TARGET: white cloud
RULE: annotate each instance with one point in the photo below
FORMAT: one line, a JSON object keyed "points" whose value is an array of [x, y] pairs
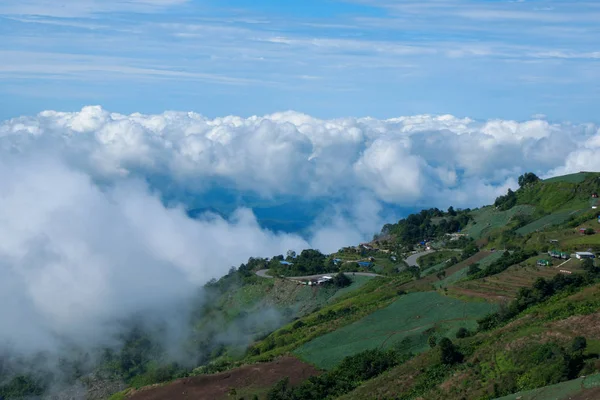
{"points": [[76, 258], [406, 160], [81, 8], [75, 254]]}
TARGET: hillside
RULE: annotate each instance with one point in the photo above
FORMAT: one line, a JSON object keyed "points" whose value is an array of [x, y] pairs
{"points": [[456, 304], [410, 319]]}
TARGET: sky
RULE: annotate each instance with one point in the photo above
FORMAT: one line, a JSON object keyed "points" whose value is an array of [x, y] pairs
{"points": [[327, 58]]}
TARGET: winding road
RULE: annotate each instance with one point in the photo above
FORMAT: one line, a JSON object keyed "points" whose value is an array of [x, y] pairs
{"points": [[263, 274], [412, 260]]}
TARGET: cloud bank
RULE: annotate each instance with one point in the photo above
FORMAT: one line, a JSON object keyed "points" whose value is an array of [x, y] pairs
{"points": [[85, 240], [416, 160], [76, 258]]}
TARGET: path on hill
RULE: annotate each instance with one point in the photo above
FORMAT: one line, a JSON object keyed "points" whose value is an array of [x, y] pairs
{"points": [[412, 260], [263, 274]]}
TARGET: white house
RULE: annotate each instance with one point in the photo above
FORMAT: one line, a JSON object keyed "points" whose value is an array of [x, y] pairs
{"points": [[584, 254]]}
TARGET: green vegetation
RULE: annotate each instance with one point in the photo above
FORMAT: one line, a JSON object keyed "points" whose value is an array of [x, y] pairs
{"points": [[406, 324], [427, 224], [578, 177], [351, 372], [488, 219], [430, 260], [553, 219], [447, 330]]}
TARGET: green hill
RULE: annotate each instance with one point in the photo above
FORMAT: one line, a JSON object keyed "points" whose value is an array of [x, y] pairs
{"points": [[501, 318]]}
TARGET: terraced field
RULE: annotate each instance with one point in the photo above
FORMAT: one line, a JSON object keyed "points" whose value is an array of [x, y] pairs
{"points": [[488, 218], [504, 286], [585, 388], [405, 324], [462, 273], [428, 282], [553, 219]]}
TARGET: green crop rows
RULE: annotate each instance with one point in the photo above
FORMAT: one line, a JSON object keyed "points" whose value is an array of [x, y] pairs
{"points": [[549, 220], [489, 218], [405, 324]]}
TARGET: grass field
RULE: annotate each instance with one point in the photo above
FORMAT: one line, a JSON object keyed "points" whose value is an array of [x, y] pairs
{"points": [[357, 282], [462, 273], [584, 240], [571, 178], [553, 219], [406, 324], [488, 218], [433, 259], [562, 391]]}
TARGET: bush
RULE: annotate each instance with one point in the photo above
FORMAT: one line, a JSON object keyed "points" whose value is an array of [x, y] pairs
{"points": [[462, 333], [448, 352]]}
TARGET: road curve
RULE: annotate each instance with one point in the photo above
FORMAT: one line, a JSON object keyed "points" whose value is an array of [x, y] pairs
{"points": [[412, 260], [263, 274]]}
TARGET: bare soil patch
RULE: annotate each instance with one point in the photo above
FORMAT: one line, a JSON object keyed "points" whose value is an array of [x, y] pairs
{"points": [[218, 386]]}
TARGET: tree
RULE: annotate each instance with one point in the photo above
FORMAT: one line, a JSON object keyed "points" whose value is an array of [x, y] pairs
{"points": [[340, 280], [527, 178], [462, 333], [473, 269], [579, 344], [451, 211], [281, 390], [449, 354], [291, 254], [588, 265], [441, 275], [432, 340], [589, 231]]}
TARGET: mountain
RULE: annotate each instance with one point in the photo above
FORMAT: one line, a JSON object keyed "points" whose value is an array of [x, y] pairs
{"points": [[488, 303]]}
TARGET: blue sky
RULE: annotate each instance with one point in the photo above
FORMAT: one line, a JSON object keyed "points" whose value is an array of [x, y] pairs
{"points": [[328, 58]]}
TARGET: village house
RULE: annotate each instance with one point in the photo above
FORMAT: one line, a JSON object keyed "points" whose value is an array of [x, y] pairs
{"points": [[584, 254]]}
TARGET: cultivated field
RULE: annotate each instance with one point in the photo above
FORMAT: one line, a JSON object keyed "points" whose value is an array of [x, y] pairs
{"points": [[488, 218], [428, 282], [571, 178], [248, 381], [587, 388], [462, 273], [505, 285], [553, 219], [405, 324]]}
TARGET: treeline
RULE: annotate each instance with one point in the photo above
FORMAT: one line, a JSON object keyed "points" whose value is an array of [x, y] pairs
{"points": [[501, 264], [541, 291], [308, 262], [347, 376], [419, 226], [509, 200]]}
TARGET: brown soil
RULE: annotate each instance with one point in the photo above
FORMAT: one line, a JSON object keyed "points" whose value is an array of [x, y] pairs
{"points": [[581, 325], [586, 394], [212, 387]]}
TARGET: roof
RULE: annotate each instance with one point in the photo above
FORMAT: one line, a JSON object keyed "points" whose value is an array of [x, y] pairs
{"points": [[584, 253], [285, 263]]}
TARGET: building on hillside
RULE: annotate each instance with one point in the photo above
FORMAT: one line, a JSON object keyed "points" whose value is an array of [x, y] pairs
{"points": [[543, 263], [337, 261], [324, 279], [285, 263], [584, 254], [455, 236], [594, 195], [582, 230], [365, 264]]}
